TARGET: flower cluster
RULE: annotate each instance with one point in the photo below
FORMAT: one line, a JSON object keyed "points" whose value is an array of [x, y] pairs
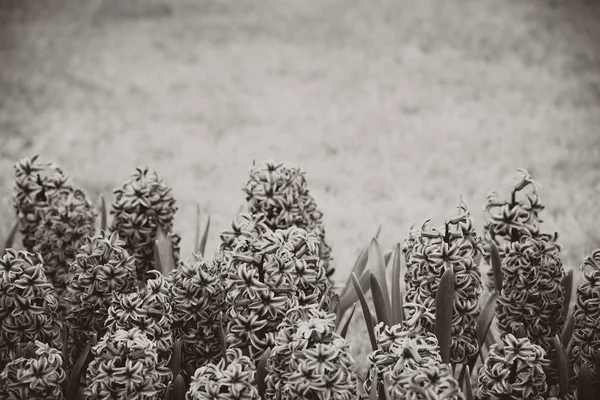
{"points": [[309, 359], [269, 273], [586, 327], [513, 369], [430, 251], [124, 367], [28, 306], [37, 376], [280, 192], [101, 270], [232, 378], [150, 311], [532, 294], [142, 206], [55, 218], [198, 296], [509, 221]]}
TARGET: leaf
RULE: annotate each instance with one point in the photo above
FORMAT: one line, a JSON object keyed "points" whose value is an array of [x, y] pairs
{"points": [[346, 325], [567, 284], [29, 350], [163, 252], [519, 330], [374, 385], [366, 312], [204, 238], [444, 308], [585, 383], [103, 214], [359, 266], [351, 296], [467, 383], [597, 370], [79, 369], [168, 390], [567, 333], [11, 237], [496, 266], [334, 307], [176, 358], [179, 388], [223, 341], [397, 306], [377, 266], [382, 308], [563, 367], [483, 324], [261, 373], [381, 390], [197, 240]]}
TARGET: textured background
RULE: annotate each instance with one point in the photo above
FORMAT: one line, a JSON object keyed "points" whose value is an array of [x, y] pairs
{"points": [[394, 108]]}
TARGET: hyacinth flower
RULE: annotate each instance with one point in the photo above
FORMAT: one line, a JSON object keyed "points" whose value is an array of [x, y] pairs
{"points": [[432, 251], [101, 270], [268, 275], [28, 306], [54, 217], [124, 367], [280, 192], [149, 310], [310, 360], [513, 369], [36, 376], [508, 221], [585, 343], [142, 206], [233, 377], [532, 294], [198, 295]]}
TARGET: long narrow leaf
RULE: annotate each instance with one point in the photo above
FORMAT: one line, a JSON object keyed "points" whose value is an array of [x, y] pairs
{"points": [[382, 308], [483, 325], [597, 370], [179, 388], [496, 266], [197, 236], [359, 265], [204, 237], [567, 332], [176, 358], [567, 284], [585, 383], [163, 252], [397, 306], [381, 391], [467, 383], [223, 341], [261, 373], [374, 385], [346, 325], [377, 266], [334, 307], [79, 369], [444, 308], [103, 214], [8, 243], [366, 312], [168, 390], [563, 367], [351, 297]]}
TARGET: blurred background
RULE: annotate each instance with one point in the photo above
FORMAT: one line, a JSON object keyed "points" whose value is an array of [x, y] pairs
{"points": [[395, 109]]}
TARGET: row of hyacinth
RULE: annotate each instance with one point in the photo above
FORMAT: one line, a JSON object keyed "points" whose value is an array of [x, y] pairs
{"points": [[267, 292]]}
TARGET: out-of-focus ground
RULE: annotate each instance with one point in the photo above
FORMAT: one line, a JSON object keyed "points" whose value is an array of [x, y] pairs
{"points": [[394, 108]]}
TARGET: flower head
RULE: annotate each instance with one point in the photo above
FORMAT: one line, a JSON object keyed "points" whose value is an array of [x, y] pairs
{"points": [[142, 206], [232, 378], [38, 377], [124, 367], [513, 369], [101, 270], [279, 191], [28, 305]]}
